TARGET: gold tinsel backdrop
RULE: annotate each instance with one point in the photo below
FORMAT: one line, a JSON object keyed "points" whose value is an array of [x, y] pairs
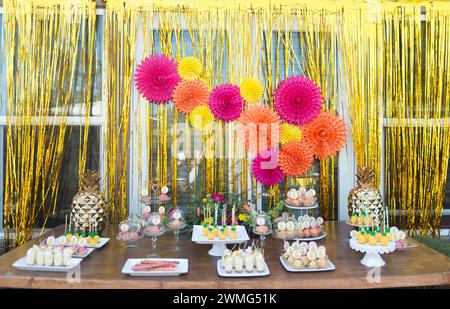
{"points": [[44, 42], [368, 47], [379, 59]]}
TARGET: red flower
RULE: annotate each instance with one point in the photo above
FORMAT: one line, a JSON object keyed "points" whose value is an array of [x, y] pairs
{"points": [[217, 197], [198, 211], [228, 221]]}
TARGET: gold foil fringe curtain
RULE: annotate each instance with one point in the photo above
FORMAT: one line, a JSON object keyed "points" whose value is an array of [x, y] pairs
{"points": [[47, 42], [342, 47], [397, 68], [416, 90]]}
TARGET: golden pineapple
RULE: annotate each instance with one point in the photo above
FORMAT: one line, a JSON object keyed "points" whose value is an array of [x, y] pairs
{"points": [[89, 204], [365, 197]]}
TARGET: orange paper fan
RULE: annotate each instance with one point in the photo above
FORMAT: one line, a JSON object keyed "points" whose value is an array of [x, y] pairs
{"points": [[258, 128], [296, 158], [189, 94], [326, 134]]}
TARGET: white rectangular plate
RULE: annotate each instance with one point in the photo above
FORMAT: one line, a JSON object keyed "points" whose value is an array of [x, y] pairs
{"points": [[197, 236], [22, 265], [329, 266], [89, 251], [244, 273], [182, 268]]}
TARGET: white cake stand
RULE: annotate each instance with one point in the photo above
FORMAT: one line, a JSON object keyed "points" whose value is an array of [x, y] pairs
{"points": [[372, 256], [218, 246]]}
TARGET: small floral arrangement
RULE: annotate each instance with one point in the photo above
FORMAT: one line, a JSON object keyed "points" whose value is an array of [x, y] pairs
{"points": [[203, 210]]}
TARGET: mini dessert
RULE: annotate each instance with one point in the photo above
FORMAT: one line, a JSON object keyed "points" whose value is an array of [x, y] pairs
{"points": [[306, 256], [205, 229], [222, 234], [301, 197], [262, 229], [372, 239], [47, 256], [250, 260], [401, 241], [163, 197], [233, 233], [155, 265], [308, 227], [31, 256], [211, 235]]}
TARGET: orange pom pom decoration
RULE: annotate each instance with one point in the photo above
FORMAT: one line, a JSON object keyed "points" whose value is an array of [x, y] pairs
{"points": [[188, 94], [296, 158], [259, 128], [326, 134]]}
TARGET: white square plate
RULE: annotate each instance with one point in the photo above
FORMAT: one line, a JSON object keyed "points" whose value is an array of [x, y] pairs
{"points": [[22, 265], [329, 266], [244, 273], [197, 236], [182, 268]]}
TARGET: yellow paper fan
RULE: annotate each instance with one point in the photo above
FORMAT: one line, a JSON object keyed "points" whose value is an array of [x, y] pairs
{"points": [[190, 68], [201, 117], [251, 90], [289, 133]]}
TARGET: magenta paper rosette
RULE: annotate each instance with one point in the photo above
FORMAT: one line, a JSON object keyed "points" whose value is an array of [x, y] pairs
{"points": [[266, 169], [298, 100], [156, 78], [226, 102]]}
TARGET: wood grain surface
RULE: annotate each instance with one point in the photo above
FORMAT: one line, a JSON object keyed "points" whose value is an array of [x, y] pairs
{"points": [[420, 266]]}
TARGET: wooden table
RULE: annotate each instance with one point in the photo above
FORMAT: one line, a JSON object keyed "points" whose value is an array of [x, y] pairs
{"points": [[420, 266]]}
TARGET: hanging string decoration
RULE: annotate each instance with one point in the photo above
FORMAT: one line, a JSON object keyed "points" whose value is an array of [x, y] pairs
{"points": [[296, 158], [266, 169], [326, 134], [251, 90], [226, 102], [258, 128], [156, 78], [189, 94], [190, 68], [289, 133], [298, 100], [201, 117]]}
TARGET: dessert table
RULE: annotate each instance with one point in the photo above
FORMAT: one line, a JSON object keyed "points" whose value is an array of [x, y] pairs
{"points": [[419, 266]]}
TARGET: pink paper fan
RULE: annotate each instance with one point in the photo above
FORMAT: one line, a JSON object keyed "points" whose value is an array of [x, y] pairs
{"points": [[298, 100], [226, 102], [266, 169], [156, 78]]}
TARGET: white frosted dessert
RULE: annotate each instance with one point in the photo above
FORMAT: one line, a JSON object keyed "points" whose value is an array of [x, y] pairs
{"points": [[31, 256]]}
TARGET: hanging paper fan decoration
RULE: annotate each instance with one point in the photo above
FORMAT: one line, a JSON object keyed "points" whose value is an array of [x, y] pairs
{"points": [[190, 68], [201, 117], [298, 100], [289, 133], [296, 158], [156, 77], [266, 169], [326, 134], [188, 94], [251, 90], [226, 102], [259, 128]]}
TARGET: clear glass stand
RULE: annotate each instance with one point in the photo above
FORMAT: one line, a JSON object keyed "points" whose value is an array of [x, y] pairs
{"points": [[154, 245]]}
